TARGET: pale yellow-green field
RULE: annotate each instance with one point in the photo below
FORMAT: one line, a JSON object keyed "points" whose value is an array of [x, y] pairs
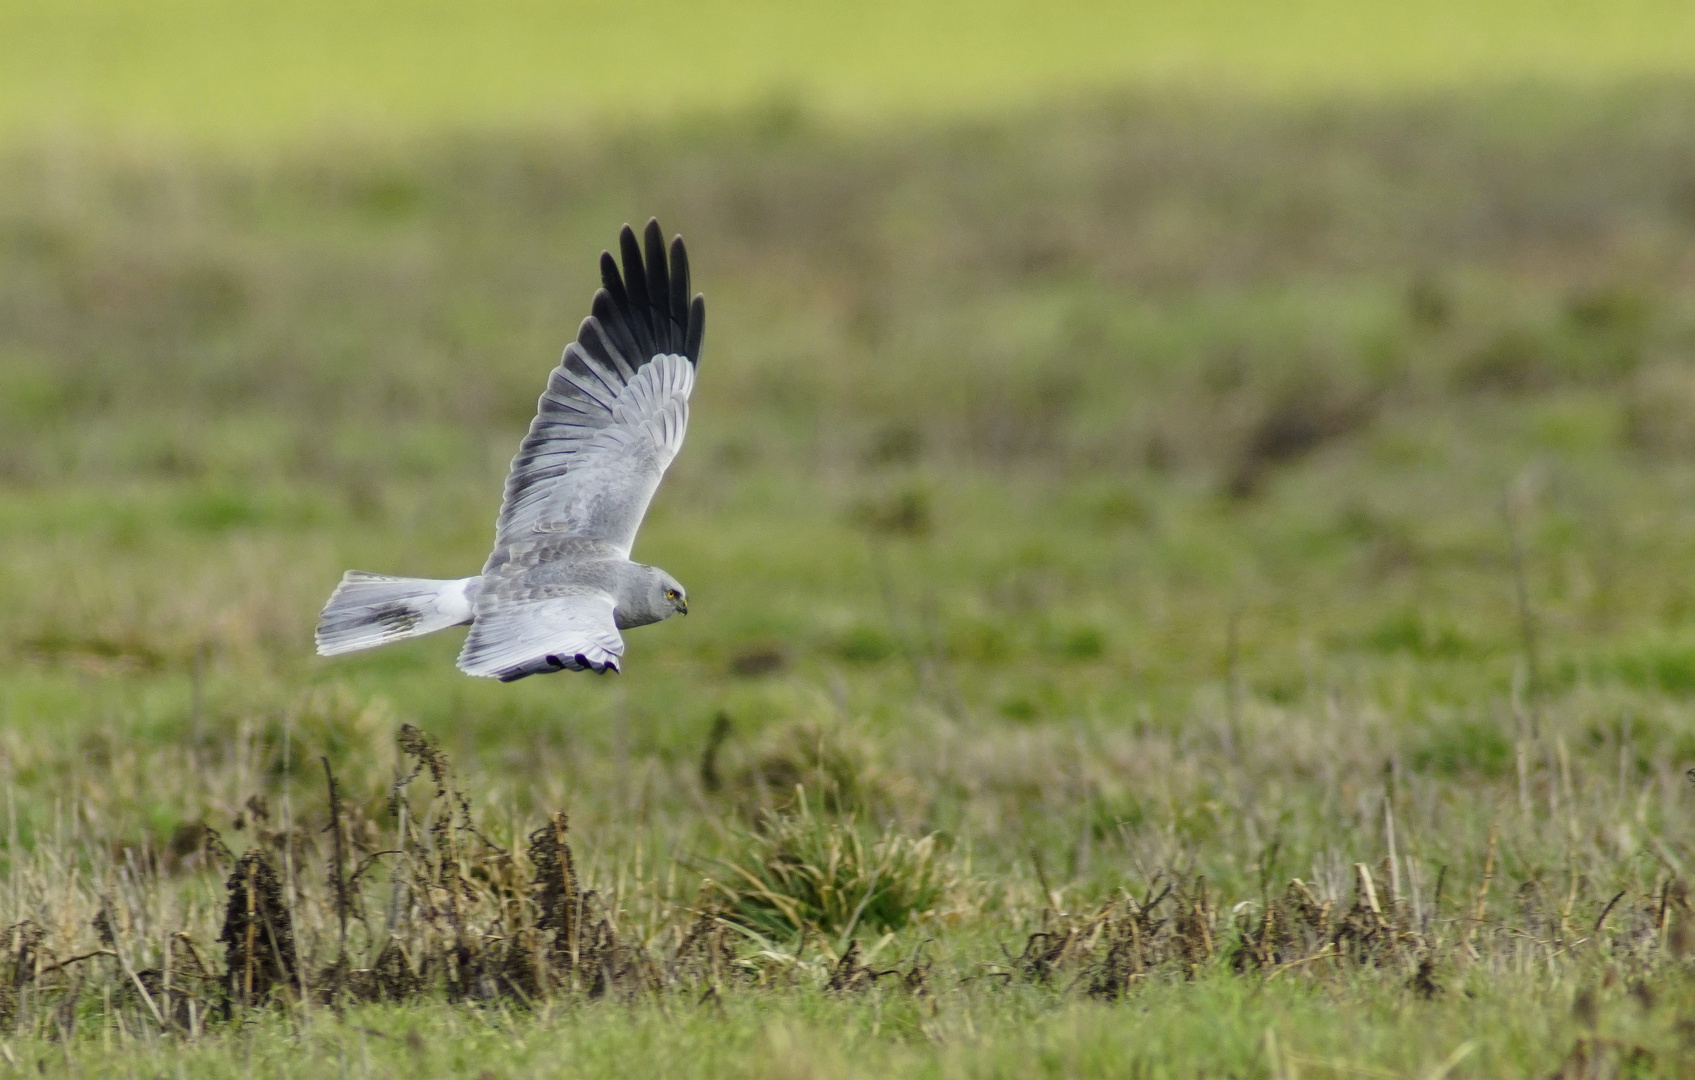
{"points": [[233, 71]]}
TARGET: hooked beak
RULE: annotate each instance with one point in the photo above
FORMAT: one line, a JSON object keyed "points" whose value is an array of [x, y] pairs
{"points": [[683, 607]]}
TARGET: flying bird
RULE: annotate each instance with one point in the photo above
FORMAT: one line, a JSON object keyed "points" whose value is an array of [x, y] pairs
{"points": [[559, 585]]}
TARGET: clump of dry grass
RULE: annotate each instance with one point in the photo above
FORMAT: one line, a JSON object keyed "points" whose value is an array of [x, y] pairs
{"points": [[853, 973], [1307, 932], [801, 872], [258, 933], [1122, 941], [323, 917]]}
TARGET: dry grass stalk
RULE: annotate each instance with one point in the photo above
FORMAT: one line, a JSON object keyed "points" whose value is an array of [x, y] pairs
{"points": [[258, 935]]}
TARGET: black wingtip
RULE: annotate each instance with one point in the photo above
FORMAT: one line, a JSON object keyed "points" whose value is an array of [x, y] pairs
{"points": [[641, 301], [609, 276], [697, 329], [659, 287], [635, 274], [635, 283], [679, 298], [608, 313], [643, 306]]}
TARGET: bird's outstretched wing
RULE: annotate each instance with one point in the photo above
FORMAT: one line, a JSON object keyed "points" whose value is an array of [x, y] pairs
{"points": [[512, 638], [616, 407]]}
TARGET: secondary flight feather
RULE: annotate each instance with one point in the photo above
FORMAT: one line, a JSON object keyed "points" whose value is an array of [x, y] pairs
{"points": [[559, 585]]}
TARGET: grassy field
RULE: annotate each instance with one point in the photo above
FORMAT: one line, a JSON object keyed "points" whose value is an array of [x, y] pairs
{"points": [[253, 75], [1189, 589]]}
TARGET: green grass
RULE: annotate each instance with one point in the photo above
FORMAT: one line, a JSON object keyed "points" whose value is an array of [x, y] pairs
{"points": [[1216, 1026], [252, 74], [1129, 493]]}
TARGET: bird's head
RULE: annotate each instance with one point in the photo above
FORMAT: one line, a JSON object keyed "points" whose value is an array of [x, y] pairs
{"points": [[647, 594], [671, 596]]}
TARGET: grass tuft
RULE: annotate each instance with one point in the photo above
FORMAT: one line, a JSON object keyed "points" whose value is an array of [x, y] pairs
{"points": [[799, 873]]}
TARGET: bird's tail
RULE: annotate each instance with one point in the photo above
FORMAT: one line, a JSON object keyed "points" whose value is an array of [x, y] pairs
{"points": [[367, 610]]}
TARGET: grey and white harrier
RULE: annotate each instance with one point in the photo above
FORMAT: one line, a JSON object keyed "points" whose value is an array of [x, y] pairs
{"points": [[560, 585]]}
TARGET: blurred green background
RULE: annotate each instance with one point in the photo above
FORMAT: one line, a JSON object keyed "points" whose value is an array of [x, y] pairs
{"points": [[252, 74], [1149, 435]]}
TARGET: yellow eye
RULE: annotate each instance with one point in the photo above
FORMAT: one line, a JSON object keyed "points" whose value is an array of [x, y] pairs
{"points": [[670, 594]]}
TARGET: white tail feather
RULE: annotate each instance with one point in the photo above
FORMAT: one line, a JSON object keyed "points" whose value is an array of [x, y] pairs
{"points": [[367, 610]]}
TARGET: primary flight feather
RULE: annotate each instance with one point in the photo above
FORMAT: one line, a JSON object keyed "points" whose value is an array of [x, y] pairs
{"points": [[559, 585]]}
